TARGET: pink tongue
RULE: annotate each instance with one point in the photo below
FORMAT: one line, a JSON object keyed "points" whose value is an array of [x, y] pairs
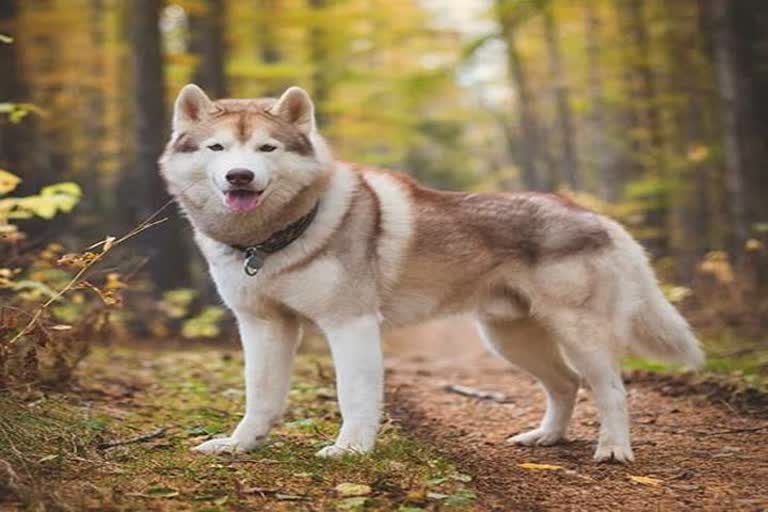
{"points": [[242, 202]]}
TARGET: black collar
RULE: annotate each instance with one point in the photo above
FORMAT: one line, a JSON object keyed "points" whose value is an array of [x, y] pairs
{"points": [[256, 254]]}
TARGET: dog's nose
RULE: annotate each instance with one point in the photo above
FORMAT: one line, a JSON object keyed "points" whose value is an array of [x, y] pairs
{"points": [[239, 177]]}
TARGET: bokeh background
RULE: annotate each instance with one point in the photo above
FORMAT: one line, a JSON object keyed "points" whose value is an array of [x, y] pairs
{"points": [[652, 111]]}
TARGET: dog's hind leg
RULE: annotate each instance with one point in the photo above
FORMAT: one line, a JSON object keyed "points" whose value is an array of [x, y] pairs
{"points": [[587, 343], [526, 344]]}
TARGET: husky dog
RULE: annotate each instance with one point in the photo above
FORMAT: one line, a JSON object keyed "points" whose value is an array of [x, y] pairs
{"points": [[293, 236]]}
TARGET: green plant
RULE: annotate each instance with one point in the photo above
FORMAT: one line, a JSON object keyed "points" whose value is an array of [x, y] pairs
{"points": [[51, 310]]}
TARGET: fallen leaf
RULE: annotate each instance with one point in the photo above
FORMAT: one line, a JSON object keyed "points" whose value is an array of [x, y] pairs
{"points": [[646, 480], [291, 497], [213, 498], [353, 504], [161, 492], [348, 489], [534, 465], [461, 477]]}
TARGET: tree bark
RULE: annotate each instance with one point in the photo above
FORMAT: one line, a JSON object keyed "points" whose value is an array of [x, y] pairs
{"points": [[208, 44], [23, 149], [649, 150], [561, 93], [528, 155], [12, 89], [691, 212], [740, 39], [268, 50], [608, 179], [163, 243], [731, 111], [319, 54]]}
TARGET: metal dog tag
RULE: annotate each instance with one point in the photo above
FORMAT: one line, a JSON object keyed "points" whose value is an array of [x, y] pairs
{"points": [[254, 260]]}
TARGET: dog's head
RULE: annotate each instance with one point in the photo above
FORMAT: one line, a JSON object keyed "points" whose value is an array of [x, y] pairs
{"points": [[242, 159]]}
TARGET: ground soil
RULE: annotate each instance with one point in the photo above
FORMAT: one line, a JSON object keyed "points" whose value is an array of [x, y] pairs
{"points": [[702, 452]]}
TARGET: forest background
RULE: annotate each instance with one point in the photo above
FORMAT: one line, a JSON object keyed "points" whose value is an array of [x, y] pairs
{"points": [[650, 111]]}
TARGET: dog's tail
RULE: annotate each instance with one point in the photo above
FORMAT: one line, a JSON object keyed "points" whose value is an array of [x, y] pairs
{"points": [[661, 333]]}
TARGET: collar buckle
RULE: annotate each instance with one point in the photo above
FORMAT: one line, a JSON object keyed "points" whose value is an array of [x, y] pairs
{"points": [[254, 260]]}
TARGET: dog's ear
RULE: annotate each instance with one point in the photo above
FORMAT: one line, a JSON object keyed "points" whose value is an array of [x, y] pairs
{"points": [[191, 106], [296, 107]]}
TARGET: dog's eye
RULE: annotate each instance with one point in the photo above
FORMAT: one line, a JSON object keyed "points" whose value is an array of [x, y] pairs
{"points": [[216, 147], [267, 148]]}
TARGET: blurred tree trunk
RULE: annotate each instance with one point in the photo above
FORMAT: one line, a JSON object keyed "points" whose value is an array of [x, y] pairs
{"points": [[163, 243], [12, 89], [569, 161], [600, 153], [23, 150], [528, 152], [266, 38], [631, 163], [208, 44], [733, 106], [691, 136], [319, 54], [657, 215], [741, 46], [647, 89], [649, 149]]}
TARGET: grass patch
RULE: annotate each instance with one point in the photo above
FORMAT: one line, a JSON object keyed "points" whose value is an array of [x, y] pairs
{"points": [[744, 358], [49, 443]]}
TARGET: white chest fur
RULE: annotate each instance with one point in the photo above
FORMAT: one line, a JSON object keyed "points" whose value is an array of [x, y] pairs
{"points": [[309, 290]]}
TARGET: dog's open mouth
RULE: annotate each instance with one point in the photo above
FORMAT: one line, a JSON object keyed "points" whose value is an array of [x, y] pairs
{"points": [[241, 200]]}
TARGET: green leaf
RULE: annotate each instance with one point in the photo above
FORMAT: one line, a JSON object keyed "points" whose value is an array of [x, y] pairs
{"points": [[205, 325], [95, 424], [8, 182], [66, 187], [460, 498], [29, 285], [303, 424]]}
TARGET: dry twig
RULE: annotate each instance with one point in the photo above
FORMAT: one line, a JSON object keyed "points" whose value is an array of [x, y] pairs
{"points": [[132, 440], [494, 396]]}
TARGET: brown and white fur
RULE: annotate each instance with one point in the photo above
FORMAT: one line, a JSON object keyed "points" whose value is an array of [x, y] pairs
{"points": [[556, 289]]}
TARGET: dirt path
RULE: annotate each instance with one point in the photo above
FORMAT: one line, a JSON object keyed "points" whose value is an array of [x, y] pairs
{"points": [[703, 456]]}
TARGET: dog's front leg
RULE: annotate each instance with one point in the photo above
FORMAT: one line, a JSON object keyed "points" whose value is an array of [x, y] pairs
{"points": [[269, 346], [356, 348]]}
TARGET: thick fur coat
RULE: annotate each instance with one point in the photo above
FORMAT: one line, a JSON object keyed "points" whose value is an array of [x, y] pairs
{"points": [[556, 289]]}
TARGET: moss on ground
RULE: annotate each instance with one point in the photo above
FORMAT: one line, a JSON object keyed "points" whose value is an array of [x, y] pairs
{"points": [[52, 451]]}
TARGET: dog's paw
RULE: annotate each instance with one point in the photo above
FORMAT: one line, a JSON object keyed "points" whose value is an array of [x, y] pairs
{"points": [[614, 453], [335, 451], [224, 445], [537, 437]]}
